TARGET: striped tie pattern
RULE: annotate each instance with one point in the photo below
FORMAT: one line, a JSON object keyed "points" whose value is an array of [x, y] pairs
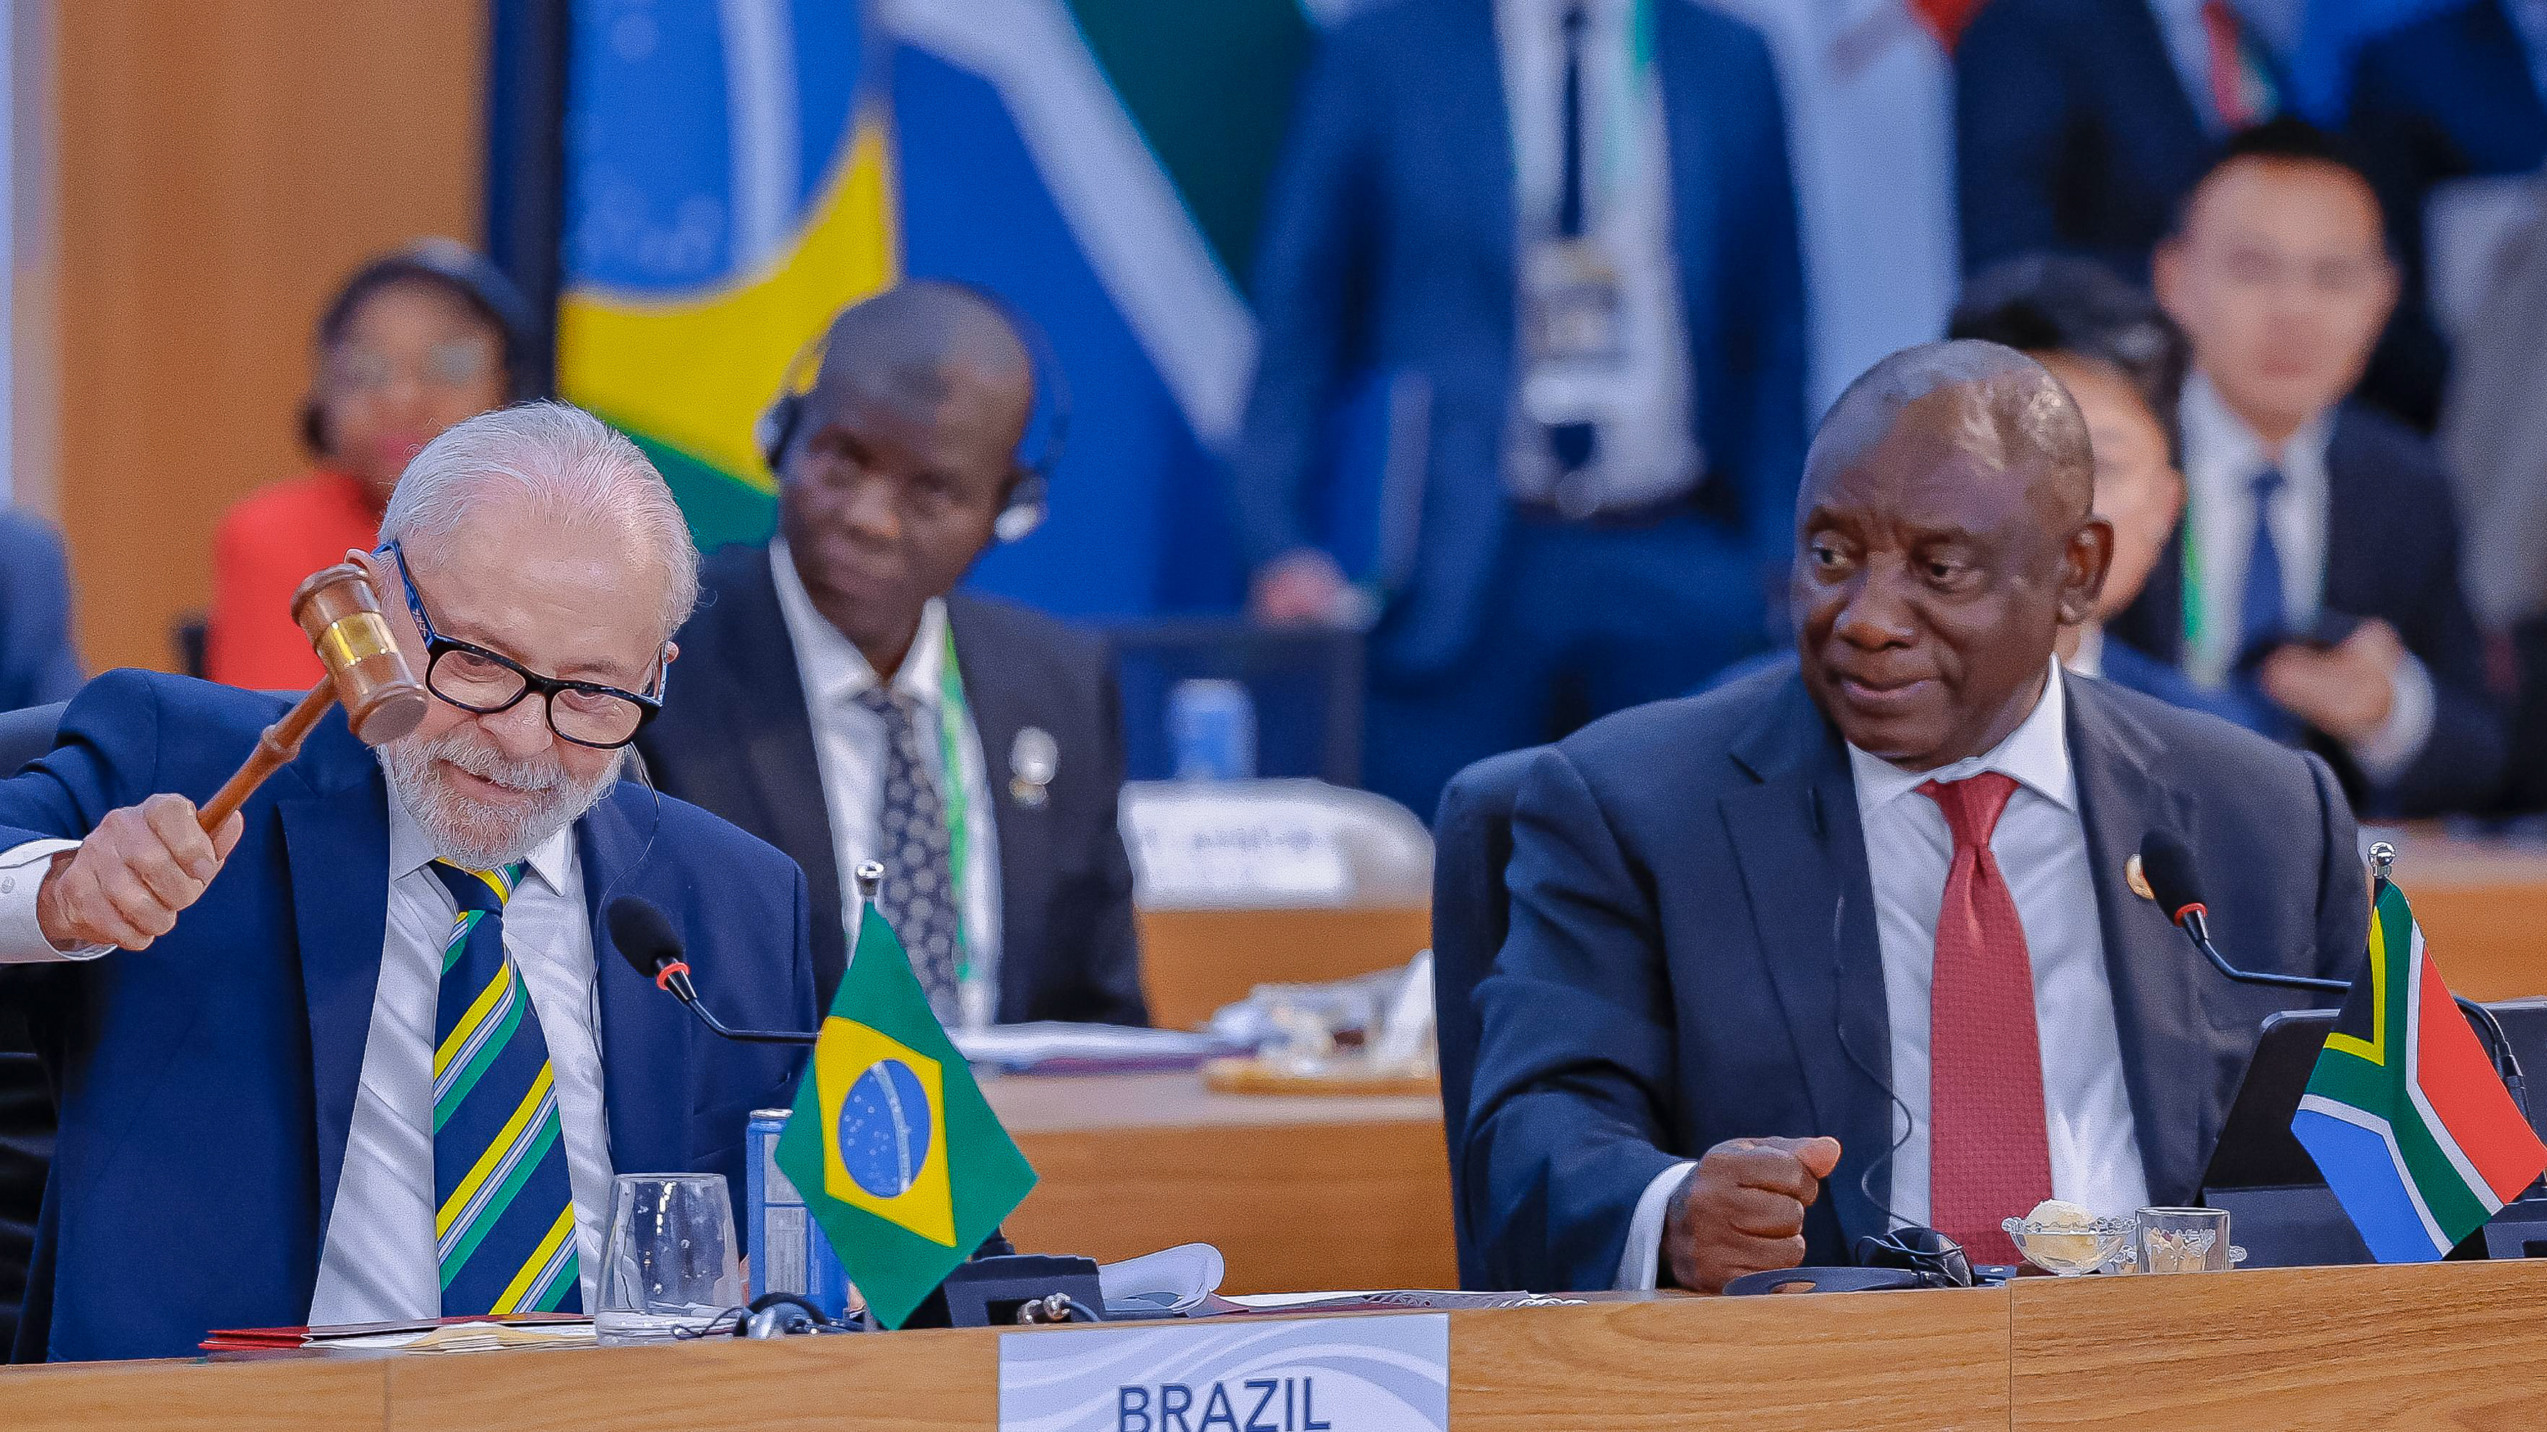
{"points": [[504, 1212]]}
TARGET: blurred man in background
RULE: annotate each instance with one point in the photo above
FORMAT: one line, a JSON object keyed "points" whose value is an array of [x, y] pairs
{"points": [[2080, 123], [1566, 244], [2320, 561], [845, 703]]}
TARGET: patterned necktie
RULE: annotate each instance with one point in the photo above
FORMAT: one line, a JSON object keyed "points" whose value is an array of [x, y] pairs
{"points": [[2263, 613], [1988, 1154], [918, 895], [504, 1211]]}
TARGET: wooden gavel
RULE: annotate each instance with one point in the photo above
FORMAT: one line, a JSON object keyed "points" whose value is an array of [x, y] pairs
{"points": [[383, 700]]}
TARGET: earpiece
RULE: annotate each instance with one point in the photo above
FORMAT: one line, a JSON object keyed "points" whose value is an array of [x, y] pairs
{"points": [[1029, 494]]}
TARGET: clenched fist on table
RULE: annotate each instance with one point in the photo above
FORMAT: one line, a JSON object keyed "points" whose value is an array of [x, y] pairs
{"points": [[1741, 1210], [134, 874]]}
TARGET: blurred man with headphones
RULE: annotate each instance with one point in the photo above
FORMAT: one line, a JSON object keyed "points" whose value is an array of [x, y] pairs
{"points": [[841, 700]]}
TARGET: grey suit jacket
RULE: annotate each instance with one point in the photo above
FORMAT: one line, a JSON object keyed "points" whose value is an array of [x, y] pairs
{"points": [[1693, 957]]}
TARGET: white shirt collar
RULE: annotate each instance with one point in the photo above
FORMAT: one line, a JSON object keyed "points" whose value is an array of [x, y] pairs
{"points": [[410, 850], [2089, 659], [833, 670], [2222, 454], [2036, 753]]}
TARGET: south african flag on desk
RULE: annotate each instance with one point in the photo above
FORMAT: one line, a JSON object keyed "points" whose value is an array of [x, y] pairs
{"points": [[2405, 1115], [897, 1154]]}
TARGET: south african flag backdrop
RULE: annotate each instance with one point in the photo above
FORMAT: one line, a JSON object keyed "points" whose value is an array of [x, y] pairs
{"points": [[2405, 1114], [897, 1154]]}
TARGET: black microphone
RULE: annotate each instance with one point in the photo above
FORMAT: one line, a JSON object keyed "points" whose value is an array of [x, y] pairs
{"points": [[2167, 864], [649, 943]]}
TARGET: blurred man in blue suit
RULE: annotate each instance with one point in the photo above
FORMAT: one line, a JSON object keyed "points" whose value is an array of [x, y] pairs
{"points": [[1820, 954], [2080, 123], [1565, 243], [37, 660], [341, 1060], [2318, 566]]}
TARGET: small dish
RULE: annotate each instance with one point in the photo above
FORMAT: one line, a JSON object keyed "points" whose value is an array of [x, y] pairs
{"points": [[2069, 1249]]}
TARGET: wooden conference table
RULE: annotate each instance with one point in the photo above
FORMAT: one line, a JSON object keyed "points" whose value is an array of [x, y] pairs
{"points": [[2440, 1345]]}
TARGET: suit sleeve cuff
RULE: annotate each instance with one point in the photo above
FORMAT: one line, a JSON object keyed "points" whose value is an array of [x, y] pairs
{"points": [[1640, 1263], [2387, 753], [22, 939]]}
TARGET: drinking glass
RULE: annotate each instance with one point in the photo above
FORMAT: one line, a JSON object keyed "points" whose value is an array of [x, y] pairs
{"points": [[2182, 1240], [668, 1262]]}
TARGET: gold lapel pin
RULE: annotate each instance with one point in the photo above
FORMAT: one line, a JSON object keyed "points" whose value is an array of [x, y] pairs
{"points": [[2139, 882]]}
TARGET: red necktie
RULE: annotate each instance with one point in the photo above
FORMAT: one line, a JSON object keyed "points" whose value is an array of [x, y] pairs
{"points": [[1988, 1155], [2228, 66]]}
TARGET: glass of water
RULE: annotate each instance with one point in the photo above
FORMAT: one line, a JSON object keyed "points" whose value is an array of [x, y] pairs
{"points": [[2184, 1240], [668, 1262]]}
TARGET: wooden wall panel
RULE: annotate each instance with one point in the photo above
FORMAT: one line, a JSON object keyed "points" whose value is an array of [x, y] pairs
{"points": [[221, 164]]}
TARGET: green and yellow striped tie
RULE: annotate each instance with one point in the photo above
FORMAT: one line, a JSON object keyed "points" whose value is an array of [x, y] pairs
{"points": [[504, 1210]]}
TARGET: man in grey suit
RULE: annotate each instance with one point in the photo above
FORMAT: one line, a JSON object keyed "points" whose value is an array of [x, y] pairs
{"points": [[1820, 953]]}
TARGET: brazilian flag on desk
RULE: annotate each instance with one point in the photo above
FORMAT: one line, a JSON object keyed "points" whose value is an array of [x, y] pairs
{"points": [[897, 1154]]}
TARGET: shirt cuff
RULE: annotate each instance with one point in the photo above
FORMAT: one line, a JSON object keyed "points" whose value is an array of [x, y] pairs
{"points": [[1640, 1262], [22, 874], [2399, 741]]}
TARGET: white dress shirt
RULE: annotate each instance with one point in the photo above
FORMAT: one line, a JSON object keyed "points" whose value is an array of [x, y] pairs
{"points": [[849, 752], [379, 1262], [2040, 845], [1647, 449], [2222, 458]]}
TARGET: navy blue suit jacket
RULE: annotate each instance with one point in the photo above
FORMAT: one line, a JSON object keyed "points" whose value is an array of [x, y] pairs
{"points": [[1693, 956], [2447, 97], [37, 662], [2392, 552], [735, 738], [1389, 250], [206, 1084], [2073, 132]]}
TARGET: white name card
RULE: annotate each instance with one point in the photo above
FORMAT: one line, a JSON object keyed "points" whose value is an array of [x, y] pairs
{"points": [[1199, 852], [1236, 1374]]}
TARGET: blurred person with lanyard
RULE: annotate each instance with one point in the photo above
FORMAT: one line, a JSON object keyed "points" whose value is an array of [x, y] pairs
{"points": [[342, 1059], [1836, 950], [845, 702], [1564, 247], [2318, 567], [413, 342]]}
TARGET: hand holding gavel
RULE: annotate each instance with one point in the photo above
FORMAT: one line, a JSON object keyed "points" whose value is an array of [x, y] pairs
{"points": [[145, 864]]}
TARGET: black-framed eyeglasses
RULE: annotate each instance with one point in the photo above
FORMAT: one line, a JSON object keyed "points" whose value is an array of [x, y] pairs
{"points": [[477, 680]]}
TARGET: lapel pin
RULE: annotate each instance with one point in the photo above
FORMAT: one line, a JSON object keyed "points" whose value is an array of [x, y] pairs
{"points": [[2139, 882], [1033, 758]]}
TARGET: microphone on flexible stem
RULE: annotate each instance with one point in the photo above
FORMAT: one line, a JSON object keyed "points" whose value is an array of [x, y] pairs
{"points": [[2167, 864], [650, 944]]}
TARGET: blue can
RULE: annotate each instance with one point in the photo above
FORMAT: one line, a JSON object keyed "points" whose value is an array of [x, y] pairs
{"points": [[1212, 724], [789, 1252]]}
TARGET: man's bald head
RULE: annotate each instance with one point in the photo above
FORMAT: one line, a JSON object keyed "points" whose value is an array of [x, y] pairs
{"points": [[920, 345], [1944, 536], [2001, 407]]}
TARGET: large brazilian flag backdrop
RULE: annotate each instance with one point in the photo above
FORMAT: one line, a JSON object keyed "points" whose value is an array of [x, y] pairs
{"points": [[739, 169]]}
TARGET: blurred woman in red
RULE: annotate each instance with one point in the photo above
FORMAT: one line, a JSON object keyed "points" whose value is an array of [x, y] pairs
{"points": [[414, 342]]}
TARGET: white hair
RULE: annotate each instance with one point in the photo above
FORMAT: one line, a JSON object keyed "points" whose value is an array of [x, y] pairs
{"points": [[562, 458]]}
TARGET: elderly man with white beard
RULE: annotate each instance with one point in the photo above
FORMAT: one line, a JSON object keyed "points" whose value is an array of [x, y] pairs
{"points": [[365, 1053]]}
